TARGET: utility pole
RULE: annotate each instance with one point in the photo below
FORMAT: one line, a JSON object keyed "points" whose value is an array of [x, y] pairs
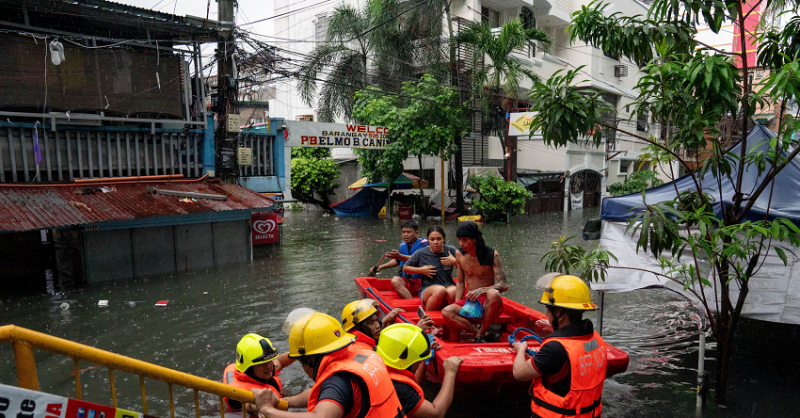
{"points": [[455, 77], [226, 90]]}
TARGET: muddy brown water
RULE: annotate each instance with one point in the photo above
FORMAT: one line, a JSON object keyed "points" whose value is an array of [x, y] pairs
{"points": [[314, 267]]}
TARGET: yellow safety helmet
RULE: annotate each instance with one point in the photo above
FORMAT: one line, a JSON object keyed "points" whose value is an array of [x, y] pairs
{"points": [[311, 332], [254, 349], [357, 311], [568, 292], [402, 345]]}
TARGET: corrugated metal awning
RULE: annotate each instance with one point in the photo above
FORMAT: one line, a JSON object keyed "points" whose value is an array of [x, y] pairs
{"points": [[123, 206]]}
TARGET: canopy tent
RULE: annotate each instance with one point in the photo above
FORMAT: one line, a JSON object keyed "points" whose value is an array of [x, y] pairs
{"points": [[367, 202], [403, 181], [774, 291]]}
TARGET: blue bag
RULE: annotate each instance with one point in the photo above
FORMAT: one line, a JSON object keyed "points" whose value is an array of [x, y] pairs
{"points": [[472, 309]]}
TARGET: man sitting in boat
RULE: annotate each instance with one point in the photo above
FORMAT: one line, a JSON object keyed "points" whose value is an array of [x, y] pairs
{"points": [[435, 264], [258, 365], [481, 272], [404, 348], [362, 319], [349, 381], [570, 367], [406, 285]]}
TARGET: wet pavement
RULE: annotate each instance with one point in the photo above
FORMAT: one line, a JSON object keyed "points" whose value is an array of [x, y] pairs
{"points": [[314, 267]]}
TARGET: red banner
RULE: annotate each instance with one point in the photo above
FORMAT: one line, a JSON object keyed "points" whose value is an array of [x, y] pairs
{"points": [[265, 228]]}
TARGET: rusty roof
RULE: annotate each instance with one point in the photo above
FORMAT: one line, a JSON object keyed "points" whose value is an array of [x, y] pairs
{"points": [[33, 208]]}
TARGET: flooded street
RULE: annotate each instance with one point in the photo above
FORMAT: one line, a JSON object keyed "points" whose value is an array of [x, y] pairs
{"points": [[314, 267]]}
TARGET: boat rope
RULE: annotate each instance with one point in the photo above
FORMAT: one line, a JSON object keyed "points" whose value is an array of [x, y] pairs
{"points": [[533, 336]]}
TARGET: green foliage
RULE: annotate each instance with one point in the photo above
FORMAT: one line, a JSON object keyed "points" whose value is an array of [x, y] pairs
{"points": [[567, 258], [565, 112], [310, 152], [314, 179], [637, 182], [498, 196], [422, 120]]}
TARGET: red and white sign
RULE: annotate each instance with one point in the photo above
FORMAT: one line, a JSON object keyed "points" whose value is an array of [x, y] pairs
{"points": [[18, 402], [265, 228]]}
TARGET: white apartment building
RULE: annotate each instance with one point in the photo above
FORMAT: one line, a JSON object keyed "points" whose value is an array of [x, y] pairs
{"points": [[589, 168]]}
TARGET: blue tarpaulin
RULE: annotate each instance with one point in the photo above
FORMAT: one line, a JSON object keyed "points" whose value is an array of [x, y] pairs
{"points": [[367, 202], [785, 197]]}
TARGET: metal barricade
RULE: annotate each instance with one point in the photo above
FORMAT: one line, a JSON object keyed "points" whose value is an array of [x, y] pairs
{"points": [[24, 341]]}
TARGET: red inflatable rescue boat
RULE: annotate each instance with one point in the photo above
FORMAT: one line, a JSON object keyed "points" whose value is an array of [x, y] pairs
{"points": [[487, 366]]}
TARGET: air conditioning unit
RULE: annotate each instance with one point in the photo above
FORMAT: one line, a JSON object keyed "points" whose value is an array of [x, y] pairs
{"points": [[620, 71]]}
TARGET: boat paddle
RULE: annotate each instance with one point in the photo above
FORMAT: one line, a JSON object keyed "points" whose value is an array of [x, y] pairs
{"points": [[374, 271]]}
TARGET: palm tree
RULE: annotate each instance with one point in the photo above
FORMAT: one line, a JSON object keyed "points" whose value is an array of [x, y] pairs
{"points": [[503, 72], [342, 63]]}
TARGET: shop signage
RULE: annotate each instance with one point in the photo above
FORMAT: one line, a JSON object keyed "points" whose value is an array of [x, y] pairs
{"points": [[519, 124], [265, 228], [334, 135]]}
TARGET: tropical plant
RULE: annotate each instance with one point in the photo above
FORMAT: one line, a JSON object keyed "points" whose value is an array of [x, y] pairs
{"points": [[503, 72], [422, 120], [638, 181], [498, 197], [711, 254], [314, 176]]}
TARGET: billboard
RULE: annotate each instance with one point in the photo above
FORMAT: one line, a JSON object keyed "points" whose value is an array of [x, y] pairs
{"points": [[334, 135], [265, 228], [18, 402]]}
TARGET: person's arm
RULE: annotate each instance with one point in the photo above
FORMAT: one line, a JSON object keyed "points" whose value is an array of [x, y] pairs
{"points": [[499, 274], [419, 376], [266, 402], [300, 400], [441, 404], [523, 369], [460, 287], [389, 264], [429, 271], [390, 317], [282, 361]]}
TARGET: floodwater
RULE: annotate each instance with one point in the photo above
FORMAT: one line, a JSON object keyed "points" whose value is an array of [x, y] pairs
{"points": [[314, 266]]}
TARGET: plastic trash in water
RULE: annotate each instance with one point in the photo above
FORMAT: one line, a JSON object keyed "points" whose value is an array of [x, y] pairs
{"points": [[131, 304], [102, 303], [64, 306], [472, 309], [162, 303]]}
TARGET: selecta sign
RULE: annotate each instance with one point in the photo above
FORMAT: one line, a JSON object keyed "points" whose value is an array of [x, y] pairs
{"points": [[265, 228], [334, 135]]}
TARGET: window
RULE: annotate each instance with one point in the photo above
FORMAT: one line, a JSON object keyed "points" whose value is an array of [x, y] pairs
{"points": [[490, 17], [321, 28], [641, 122], [623, 166], [305, 118], [527, 18]]}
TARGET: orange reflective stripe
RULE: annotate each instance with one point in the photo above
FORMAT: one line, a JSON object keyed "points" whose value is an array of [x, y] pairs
{"points": [[237, 379]]}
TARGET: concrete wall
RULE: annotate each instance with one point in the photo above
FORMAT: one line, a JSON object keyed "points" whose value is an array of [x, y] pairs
{"points": [[130, 253]]}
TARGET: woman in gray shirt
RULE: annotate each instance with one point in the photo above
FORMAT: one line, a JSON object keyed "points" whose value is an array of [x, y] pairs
{"points": [[435, 265]]}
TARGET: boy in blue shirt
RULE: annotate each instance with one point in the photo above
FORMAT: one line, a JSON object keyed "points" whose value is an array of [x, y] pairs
{"points": [[406, 285]]}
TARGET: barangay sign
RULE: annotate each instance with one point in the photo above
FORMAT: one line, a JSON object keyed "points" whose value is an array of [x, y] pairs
{"points": [[335, 135]]}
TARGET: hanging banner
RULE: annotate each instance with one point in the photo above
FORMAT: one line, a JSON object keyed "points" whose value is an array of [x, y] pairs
{"points": [[18, 402], [576, 199], [519, 124], [334, 135], [265, 228]]}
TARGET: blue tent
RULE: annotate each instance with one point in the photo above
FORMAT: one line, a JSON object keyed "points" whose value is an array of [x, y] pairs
{"points": [[785, 197], [367, 202]]}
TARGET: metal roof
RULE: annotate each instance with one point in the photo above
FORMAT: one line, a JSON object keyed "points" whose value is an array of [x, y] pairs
{"points": [[33, 208]]}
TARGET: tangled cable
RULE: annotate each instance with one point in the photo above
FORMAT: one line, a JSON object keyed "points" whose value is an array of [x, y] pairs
{"points": [[533, 336]]}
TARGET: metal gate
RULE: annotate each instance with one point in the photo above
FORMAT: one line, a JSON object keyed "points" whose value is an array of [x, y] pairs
{"points": [[588, 183]]}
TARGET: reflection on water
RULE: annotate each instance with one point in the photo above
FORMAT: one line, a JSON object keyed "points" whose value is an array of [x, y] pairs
{"points": [[314, 267]]}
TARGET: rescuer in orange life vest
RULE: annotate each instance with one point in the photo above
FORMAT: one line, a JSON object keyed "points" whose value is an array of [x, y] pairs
{"points": [[349, 381], [364, 321], [258, 365], [404, 348], [570, 367]]}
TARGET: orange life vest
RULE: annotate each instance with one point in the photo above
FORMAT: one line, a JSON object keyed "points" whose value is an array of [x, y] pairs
{"points": [[405, 376], [237, 379], [363, 341], [369, 367], [587, 362]]}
